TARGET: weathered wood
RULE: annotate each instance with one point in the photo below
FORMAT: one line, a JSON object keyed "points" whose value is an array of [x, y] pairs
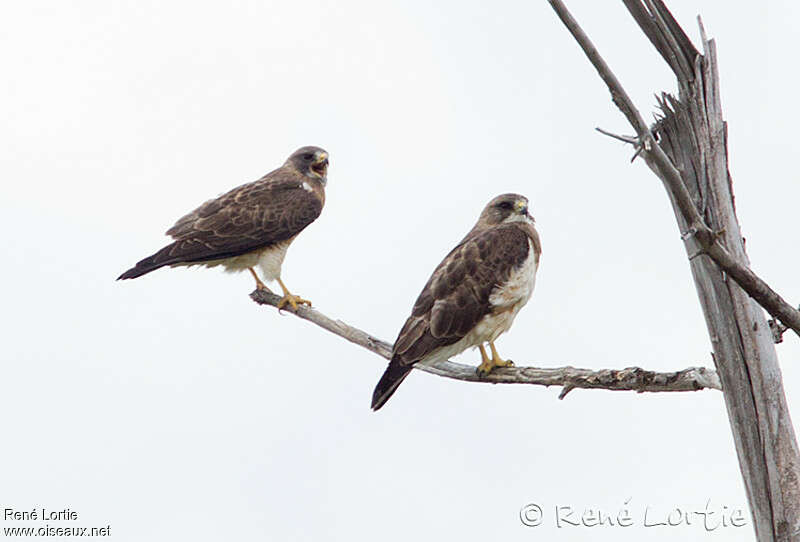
{"points": [[628, 379], [692, 137]]}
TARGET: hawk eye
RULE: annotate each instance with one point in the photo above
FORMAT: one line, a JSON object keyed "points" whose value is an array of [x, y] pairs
{"points": [[308, 156], [505, 205]]}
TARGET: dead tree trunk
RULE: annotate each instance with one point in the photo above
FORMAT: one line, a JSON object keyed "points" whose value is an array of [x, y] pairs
{"points": [[687, 149], [744, 352], [743, 349]]}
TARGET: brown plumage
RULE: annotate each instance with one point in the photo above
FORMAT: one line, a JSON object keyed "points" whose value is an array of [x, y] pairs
{"points": [[472, 296], [250, 225]]}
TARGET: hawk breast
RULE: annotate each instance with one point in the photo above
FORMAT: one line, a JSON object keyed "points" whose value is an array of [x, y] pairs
{"points": [[517, 289]]}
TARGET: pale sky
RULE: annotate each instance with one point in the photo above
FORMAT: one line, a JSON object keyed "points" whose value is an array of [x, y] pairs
{"points": [[174, 408]]}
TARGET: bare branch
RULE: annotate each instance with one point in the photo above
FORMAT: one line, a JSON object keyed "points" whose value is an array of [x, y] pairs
{"points": [[653, 154], [618, 94], [632, 140], [628, 379], [626, 139], [755, 287], [660, 163]]}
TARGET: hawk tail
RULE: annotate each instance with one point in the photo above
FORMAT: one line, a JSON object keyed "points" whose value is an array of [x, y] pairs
{"points": [[393, 376], [151, 263]]}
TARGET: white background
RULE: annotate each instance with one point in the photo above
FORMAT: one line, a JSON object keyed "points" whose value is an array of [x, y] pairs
{"points": [[172, 407]]}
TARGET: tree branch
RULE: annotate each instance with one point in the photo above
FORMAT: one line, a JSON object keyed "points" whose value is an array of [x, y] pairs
{"points": [[628, 379], [660, 163]]}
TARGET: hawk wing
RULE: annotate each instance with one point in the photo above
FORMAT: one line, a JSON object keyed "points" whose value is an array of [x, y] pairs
{"points": [[256, 215], [456, 296]]}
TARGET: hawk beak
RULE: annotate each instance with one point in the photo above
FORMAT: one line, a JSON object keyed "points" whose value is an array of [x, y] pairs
{"points": [[320, 166], [521, 207]]}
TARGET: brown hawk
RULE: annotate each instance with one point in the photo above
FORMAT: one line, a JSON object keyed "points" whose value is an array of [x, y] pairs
{"points": [[473, 295], [252, 225]]}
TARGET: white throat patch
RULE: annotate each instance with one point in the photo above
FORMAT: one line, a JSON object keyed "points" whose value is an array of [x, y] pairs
{"points": [[518, 218]]}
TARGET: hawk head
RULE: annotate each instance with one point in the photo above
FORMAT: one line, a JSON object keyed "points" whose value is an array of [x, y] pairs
{"points": [[505, 208], [310, 161]]}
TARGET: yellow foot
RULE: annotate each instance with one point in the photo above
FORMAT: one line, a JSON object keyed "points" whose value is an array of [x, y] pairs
{"points": [[290, 298], [488, 364], [293, 300], [484, 368]]}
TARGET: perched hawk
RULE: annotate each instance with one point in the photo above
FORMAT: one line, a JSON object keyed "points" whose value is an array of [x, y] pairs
{"points": [[253, 224], [472, 296]]}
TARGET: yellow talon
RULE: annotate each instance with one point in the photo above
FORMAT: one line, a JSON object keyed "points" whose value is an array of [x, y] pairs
{"points": [[497, 360], [488, 364], [290, 298], [293, 300]]}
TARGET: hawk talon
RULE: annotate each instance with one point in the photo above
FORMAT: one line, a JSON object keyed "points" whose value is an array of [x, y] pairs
{"points": [[488, 363], [290, 298], [484, 369], [293, 300]]}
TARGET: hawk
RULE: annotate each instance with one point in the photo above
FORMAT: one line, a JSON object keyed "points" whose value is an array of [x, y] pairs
{"points": [[473, 295], [252, 225]]}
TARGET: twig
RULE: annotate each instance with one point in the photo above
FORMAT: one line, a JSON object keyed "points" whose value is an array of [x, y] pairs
{"points": [[660, 163], [631, 140], [628, 379], [626, 139]]}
